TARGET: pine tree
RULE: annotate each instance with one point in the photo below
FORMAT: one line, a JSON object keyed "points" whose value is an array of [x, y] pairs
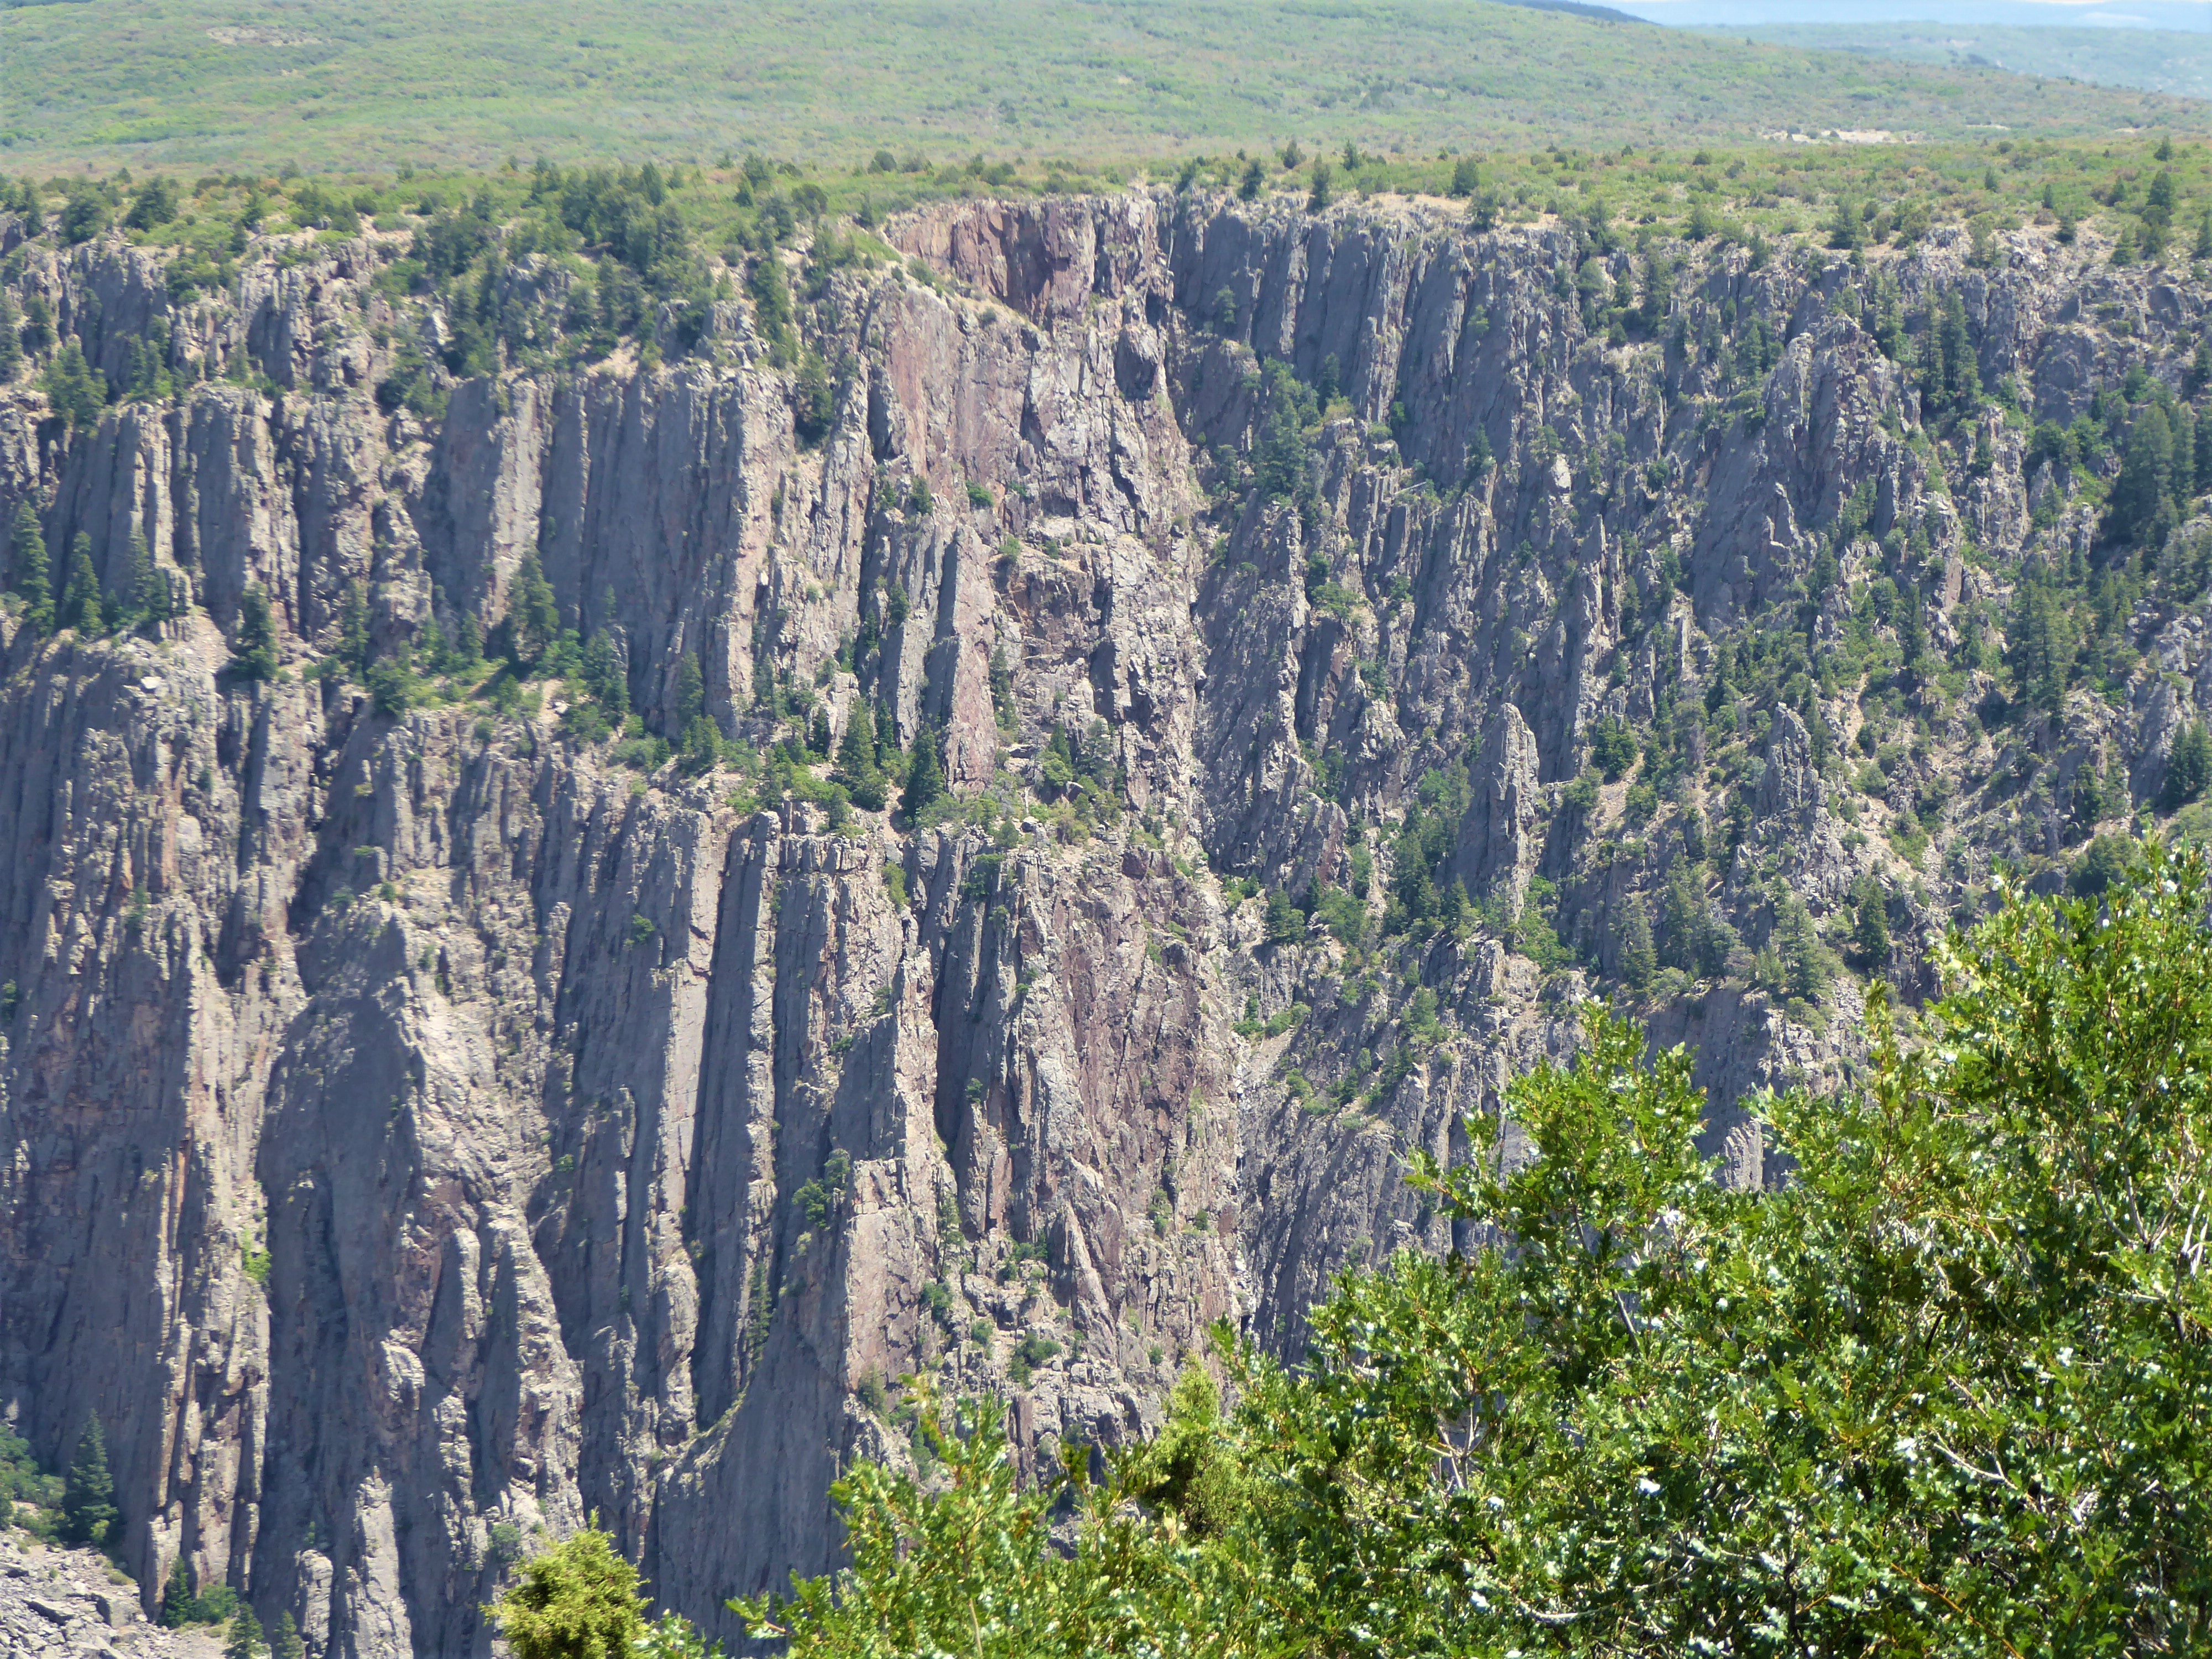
{"points": [[1870, 926], [38, 326], [352, 629], [2189, 767], [1282, 922], [11, 342], [180, 1596], [690, 692], [468, 645], [2146, 477], [1323, 190], [924, 777], [1639, 961], [1807, 967], [28, 572], [702, 750], [81, 607], [244, 1641], [254, 657], [284, 1639], [857, 767], [150, 591], [605, 677], [2041, 647], [89, 1495], [533, 614], [1681, 910]]}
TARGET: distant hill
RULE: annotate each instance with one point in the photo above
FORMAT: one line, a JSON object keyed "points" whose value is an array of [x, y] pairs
{"points": [[2171, 61], [332, 85], [1738, 15]]}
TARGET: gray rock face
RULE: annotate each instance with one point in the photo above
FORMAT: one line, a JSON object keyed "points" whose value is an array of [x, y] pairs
{"points": [[1498, 840], [419, 1132], [57, 1602]]}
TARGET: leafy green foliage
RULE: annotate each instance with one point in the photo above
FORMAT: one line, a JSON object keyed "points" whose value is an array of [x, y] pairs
{"points": [[966, 1564], [23, 1482], [182, 1604], [1947, 1391], [578, 1599]]}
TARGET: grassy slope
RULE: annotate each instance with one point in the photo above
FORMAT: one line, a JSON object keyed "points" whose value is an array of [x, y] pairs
{"points": [[2157, 60], [344, 84]]}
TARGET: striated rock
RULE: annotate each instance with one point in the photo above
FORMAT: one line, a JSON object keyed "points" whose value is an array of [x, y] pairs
{"points": [[420, 1131]]}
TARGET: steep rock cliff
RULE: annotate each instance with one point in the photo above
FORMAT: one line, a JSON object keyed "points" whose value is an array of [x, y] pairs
{"points": [[428, 1124]]}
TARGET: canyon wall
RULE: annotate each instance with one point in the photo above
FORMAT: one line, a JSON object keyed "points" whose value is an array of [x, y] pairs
{"points": [[423, 1127]]}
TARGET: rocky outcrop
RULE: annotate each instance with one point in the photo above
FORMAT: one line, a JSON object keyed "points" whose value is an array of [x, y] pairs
{"points": [[68, 1602], [426, 1124]]}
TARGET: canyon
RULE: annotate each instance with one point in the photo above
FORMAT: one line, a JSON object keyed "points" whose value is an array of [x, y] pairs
{"points": [[423, 1127]]}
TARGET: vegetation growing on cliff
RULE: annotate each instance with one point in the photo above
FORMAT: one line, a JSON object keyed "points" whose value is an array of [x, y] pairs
{"points": [[1945, 1391]]}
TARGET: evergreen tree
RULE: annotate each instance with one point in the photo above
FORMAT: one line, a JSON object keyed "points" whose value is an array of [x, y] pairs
{"points": [[436, 655], [81, 607], [284, 1639], [1847, 230], [702, 745], [533, 614], [1639, 960], [690, 692], [180, 1594], [857, 767], [2184, 479], [1282, 922], [38, 335], [814, 401], [74, 390], [925, 777], [1870, 926], [468, 645], [2188, 768], [89, 1495], [1681, 912], [1950, 376], [605, 677], [11, 343], [244, 1641], [353, 629], [2140, 493], [2041, 647], [27, 573], [254, 656], [1807, 968], [150, 589], [1323, 190]]}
